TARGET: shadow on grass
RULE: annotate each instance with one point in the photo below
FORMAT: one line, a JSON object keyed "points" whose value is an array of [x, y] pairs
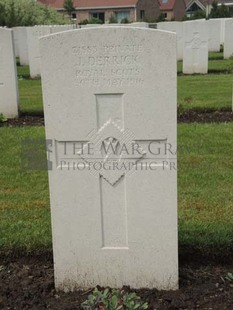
{"points": [[34, 113]]}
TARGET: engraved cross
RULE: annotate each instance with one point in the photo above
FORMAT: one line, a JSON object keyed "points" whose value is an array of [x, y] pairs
{"points": [[111, 134]]}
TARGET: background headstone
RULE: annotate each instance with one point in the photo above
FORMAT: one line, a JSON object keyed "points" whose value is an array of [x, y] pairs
{"points": [[228, 39], [91, 25], [140, 25], [223, 28], [23, 46], [112, 227], [8, 77], [33, 35], [176, 27], [214, 35], [16, 41], [61, 28], [195, 53], [136, 25]]}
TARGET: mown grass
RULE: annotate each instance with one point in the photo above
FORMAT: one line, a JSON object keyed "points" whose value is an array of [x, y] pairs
{"points": [[205, 186], [24, 197], [30, 93], [213, 91], [23, 72], [215, 55], [205, 182]]}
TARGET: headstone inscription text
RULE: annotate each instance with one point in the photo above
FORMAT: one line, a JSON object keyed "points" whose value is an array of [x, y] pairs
{"points": [[108, 65]]}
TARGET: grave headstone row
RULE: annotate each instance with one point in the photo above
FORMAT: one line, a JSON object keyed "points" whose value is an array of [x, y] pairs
{"points": [[213, 30]]}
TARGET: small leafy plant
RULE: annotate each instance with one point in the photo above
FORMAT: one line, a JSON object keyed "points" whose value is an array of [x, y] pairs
{"points": [[181, 109], [229, 277], [113, 300], [2, 118]]}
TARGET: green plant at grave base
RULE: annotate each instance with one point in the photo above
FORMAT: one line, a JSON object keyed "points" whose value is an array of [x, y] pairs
{"points": [[113, 300], [181, 109], [3, 118], [229, 277]]}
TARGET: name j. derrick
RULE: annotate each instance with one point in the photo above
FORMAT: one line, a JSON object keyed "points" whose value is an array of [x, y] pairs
{"points": [[111, 60]]}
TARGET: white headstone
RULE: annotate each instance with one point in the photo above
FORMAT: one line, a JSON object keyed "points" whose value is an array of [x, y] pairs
{"points": [[136, 25], [195, 53], [61, 28], [23, 46], [139, 25], [228, 39], [33, 35], [176, 27], [16, 41], [214, 35], [223, 28], [91, 25], [8, 75], [112, 225]]}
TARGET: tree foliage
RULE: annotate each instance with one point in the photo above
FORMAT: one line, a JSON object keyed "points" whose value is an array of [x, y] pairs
{"points": [[69, 6], [197, 15], [219, 11], [161, 18], [28, 13]]}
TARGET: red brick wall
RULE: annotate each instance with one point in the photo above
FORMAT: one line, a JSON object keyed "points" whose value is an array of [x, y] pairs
{"points": [[151, 8], [179, 9]]}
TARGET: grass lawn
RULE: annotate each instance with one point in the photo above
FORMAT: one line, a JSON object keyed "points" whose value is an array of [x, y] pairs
{"points": [[215, 55], [213, 91], [205, 185], [23, 72], [23, 195], [30, 97], [205, 179]]}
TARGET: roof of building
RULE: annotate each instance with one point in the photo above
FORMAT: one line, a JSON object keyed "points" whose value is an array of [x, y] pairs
{"points": [[206, 2], [167, 4], [58, 4]]}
